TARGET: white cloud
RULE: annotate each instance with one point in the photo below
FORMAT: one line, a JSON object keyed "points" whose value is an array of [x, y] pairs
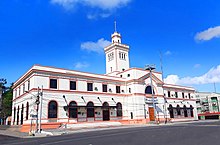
{"points": [[106, 4], [67, 4], [208, 34], [95, 46], [105, 7], [168, 52], [212, 76], [80, 65], [98, 15], [171, 79]]}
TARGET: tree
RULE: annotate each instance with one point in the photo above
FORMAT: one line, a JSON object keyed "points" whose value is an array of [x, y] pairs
{"points": [[2, 85], [6, 99], [7, 102]]}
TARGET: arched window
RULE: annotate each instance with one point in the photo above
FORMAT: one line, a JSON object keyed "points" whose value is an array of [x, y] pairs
{"points": [[119, 109], [105, 104], [14, 115], [52, 109], [27, 110], [73, 110], [90, 109], [18, 116], [185, 111], [178, 110], [170, 108], [148, 90], [191, 110], [22, 113]]}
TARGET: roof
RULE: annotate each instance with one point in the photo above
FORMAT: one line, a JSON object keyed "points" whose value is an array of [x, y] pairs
{"points": [[49, 69], [178, 87]]}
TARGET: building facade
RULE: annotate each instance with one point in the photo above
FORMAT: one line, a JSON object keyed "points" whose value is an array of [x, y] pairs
{"points": [[208, 105], [123, 94]]}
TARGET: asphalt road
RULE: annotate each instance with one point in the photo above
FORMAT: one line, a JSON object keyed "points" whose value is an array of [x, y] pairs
{"points": [[199, 133]]}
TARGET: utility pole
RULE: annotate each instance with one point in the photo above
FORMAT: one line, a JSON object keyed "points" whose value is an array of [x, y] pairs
{"points": [[164, 97], [145, 115], [41, 105], [214, 87], [37, 102]]}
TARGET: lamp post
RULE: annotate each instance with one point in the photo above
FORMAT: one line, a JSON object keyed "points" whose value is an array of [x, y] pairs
{"points": [[41, 107], [150, 68], [37, 102]]}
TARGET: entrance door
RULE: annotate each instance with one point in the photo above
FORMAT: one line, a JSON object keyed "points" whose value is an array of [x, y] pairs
{"points": [[105, 113], [151, 114]]}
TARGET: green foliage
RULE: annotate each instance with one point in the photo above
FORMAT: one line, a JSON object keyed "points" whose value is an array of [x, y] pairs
{"points": [[7, 102], [2, 82], [7, 97]]}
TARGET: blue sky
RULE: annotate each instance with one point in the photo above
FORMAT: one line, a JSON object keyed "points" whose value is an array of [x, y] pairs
{"points": [[71, 33]]}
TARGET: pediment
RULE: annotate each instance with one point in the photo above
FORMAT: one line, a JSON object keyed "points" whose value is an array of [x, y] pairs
{"points": [[154, 78]]}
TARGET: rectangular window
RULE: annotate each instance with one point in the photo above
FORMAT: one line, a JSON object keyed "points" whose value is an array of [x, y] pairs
{"points": [[72, 85], [122, 55], [176, 94], [189, 95], [110, 56], [89, 86], [118, 90], [53, 83], [15, 93], [104, 88], [28, 85], [182, 94], [168, 93], [23, 88]]}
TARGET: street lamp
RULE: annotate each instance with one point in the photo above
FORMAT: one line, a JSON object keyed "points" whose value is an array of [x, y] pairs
{"points": [[37, 102], [150, 68]]}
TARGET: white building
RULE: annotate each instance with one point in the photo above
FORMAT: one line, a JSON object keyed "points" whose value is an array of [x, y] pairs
{"points": [[123, 94], [207, 104]]}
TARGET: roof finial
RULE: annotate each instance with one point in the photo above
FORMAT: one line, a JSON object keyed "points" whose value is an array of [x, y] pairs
{"points": [[115, 26]]}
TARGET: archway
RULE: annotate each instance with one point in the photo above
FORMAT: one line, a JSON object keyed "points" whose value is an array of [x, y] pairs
{"points": [[73, 112], [18, 116], [52, 109], [185, 111], [178, 110], [148, 90], [22, 113], [90, 109], [105, 111], [191, 111], [119, 109], [170, 108]]}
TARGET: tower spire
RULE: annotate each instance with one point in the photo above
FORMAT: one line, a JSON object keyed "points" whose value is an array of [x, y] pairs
{"points": [[116, 37], [115, 26]]}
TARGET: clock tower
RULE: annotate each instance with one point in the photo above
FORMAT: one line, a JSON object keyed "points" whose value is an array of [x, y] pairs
{"points": [[117, 55]]}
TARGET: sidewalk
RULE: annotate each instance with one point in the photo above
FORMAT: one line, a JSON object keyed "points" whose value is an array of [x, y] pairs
{"points": [[13, 133]]}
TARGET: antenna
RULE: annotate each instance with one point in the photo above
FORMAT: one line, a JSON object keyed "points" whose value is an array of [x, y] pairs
{"points": [[115, 26], [161, 64], [214, 87]]}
